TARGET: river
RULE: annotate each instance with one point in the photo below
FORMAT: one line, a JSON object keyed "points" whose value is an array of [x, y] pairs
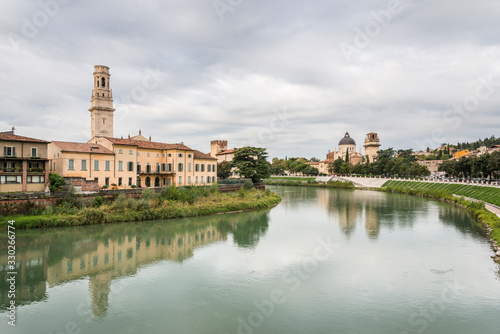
{"points": [[322, 261]]}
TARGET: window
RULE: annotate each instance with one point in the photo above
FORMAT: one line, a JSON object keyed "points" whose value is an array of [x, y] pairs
{"points": [[209, 168], [169, 167], [189, 167], [84, 164], [197, 168], [106, 181], [130, 152], [11, 179], [96, 164], [129, 181], [213, 168], [168, 181], [169, 155], [107, 164], [35, 179], [180, 155], [180, 167], [189, 179], [103, 82], [180, 180], [189, 155], [202, 180], [157, 155], [34, 152], [164, 181], [119, 182], [71, 164], [164, 155], [196, 180], [202, 168], [120, 151], [163, 167], [147, 154], [157, 167], [120, 166], [138, 168], [213, 179], [138, 154], [208, 178], [130, 166], [9, 166], [148, 168], [9, 151]]}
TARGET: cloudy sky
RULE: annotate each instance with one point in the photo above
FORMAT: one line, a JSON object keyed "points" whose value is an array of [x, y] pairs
{"points": [[291, 76]]}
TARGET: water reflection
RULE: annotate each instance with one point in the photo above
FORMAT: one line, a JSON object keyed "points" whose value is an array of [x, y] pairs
{"points": [[107, 252]]}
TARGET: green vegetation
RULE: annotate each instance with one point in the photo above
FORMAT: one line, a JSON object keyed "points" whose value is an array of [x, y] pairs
{"points": [[172, 202], [56, 182], [293, 165], [329, 184], [486, 194], [292, 178], [251, 163], [224, 169], [477, 209], [484, 166]]}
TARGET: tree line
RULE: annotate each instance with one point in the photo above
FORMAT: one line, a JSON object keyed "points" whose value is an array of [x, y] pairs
{"points": [[484, 166]]}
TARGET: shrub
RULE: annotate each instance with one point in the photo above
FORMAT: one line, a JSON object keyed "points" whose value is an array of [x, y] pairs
{"points": [[248, 185], [98, 201], [148, 193], [56, 182]]}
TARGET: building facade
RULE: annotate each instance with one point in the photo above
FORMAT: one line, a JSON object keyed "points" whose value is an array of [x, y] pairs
{"points": [[24, 165], [132, 162]]}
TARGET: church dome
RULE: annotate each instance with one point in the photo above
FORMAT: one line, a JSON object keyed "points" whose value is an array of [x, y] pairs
{"points": [[347, 140]]}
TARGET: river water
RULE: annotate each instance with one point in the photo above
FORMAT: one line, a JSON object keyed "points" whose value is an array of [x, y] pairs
{"points": [[322, 261]]}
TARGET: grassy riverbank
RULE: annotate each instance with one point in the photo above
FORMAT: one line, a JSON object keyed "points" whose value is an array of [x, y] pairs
{"points": [[170, 203], [486, 194], [477, 209], [329, 184]]}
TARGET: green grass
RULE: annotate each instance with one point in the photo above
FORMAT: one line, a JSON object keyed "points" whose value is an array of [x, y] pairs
{"points": [[292, 178], [150, 206], [310, 183], [486, 194]]}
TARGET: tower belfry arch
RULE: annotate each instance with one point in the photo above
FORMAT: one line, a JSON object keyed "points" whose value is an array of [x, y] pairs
{"points": [[101, 104]]}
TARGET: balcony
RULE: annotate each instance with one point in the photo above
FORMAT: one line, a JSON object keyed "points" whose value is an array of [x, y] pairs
{"points": [[15, 157], [11, 170]]}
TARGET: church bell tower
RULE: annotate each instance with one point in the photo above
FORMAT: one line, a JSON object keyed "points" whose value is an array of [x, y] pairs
{"points": [[101, 104]]}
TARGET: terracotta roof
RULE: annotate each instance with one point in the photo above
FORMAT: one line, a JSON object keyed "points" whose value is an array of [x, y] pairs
{"points": [[82, 147], [148, 144], [328, 161], [227, 151], [312, 163], [10, 137], [201, 155]]}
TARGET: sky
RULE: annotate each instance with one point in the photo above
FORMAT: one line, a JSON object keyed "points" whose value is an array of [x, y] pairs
{"points": [[291, 76]]}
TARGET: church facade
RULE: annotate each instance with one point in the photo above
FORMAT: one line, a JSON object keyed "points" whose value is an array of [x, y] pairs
{"points": [[127, 162], [347, 151]]}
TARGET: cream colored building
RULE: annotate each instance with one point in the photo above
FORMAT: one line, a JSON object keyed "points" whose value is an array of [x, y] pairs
{"points": [[134, 161], [218, 149], [347, 148], [23, 165]]}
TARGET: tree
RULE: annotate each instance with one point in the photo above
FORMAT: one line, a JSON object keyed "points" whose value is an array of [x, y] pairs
{"points": [[337, 165], [251, 163], [56, 182], [310, 170], [314, 159], [224, 169]]}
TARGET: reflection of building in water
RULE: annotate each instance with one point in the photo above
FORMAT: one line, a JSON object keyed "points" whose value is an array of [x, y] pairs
{"points": [[102, 260], [31, 270], [350, 207], [109, 259]]}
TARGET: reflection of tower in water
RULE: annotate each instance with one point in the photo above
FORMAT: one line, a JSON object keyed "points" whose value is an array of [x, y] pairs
{"points": [[100, 286], [371, 222]]}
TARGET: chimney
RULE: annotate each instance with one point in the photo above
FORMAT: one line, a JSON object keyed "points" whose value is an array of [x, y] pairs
{"points": [[149, 138], [129, 136], [139, 132]]}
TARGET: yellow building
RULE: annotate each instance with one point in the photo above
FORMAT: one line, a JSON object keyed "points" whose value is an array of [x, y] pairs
{"points": [[24, 165], [125, 163], [460, 154]]}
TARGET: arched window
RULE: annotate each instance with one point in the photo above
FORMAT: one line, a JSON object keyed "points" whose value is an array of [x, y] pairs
{"points": [[157, 181], [103, 82], [97, 82], [138, 184], [148, 182]]}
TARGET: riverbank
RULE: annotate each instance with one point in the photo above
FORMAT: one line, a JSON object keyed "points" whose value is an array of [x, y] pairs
{"points": [[329, 184], [173, 203], [489, 220]]}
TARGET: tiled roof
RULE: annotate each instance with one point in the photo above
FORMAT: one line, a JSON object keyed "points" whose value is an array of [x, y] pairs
{"points": [[312, 163], [82, 147], [227, 151], [149, 144], [10, 137], [201, 155]]}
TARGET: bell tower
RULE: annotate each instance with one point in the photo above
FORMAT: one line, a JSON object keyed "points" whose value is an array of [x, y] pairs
{"points": [[101, 104]]}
